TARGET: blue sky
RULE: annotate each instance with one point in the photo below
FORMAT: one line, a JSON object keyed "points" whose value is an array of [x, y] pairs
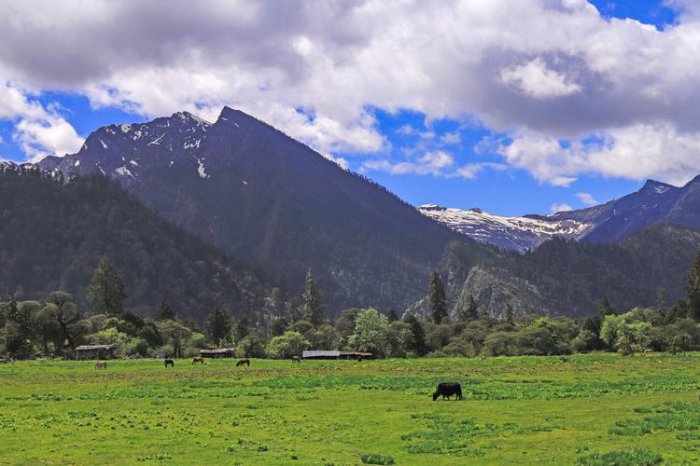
{"points": [[525, 130]]}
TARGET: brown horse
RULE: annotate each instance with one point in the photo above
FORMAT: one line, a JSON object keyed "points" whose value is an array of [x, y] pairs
{"points": [[197, 359], [169, 362], [296, 359], [100, 365], [243, 362]]}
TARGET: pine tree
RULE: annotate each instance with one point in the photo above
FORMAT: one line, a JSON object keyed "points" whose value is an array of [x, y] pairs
{"points": [[218, 326], [165, 312], [510, 313], [416, 341], [436, 298], [694, 289], [392, 315], [606, 309], [312, 306], [106, 293]]}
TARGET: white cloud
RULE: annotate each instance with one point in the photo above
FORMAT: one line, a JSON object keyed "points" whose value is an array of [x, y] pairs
{"points": [[538, 70], [438, 163], [564, 207], [39, 131], [451, 138], [659, 151], [535, 79], [586, 199], [46, 136], [432, 163]]}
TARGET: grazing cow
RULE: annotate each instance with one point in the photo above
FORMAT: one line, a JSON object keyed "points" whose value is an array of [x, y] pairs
{"points": [[648, 350], [447, 389], [296, 359], [169, 362], [243, 362], [197, 359], [100, 365]]}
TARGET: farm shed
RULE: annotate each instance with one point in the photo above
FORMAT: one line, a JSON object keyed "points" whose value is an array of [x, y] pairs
{"points": [[332, 354], [218, 353], [94, 352]]}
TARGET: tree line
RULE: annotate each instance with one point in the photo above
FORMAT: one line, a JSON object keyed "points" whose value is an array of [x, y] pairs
{"points": [[55, 326]]}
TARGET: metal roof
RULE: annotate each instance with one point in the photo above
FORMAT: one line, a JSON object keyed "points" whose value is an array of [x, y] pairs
{"points": [[94, 347]]}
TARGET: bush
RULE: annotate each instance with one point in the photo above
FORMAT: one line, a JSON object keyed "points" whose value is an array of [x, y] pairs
{"points": [[622, 458], [377, 459], [287, 345]]}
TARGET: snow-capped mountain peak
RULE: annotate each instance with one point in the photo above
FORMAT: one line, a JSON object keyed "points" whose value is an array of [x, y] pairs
{"points": [[518, 233]]}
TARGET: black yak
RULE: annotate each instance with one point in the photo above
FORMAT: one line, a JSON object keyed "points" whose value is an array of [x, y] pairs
{"points": [[447, 389]]}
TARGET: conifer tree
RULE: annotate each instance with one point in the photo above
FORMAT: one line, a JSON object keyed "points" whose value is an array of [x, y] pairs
{"points": [[510, 313], [165, 311], [436, 298], [416, 341], [694, 289], [106, 293], [312, 306], [218, 326], [606, 309]]}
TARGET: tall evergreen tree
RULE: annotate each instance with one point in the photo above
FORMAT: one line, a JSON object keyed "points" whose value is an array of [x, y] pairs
{"points": [[392, 315], [509, 313], [694, 289], [436, 298], [106, 293], [218, 326], [312, 306], [606, 309], [416, 338], [165, 311]]}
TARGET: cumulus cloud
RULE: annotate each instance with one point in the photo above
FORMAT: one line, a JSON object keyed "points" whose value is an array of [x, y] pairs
{"points": [[39, 131], [563, 207], [535, 79], [439, 164], [432, 163], [638, 151], [564, 73], [587, 199]]}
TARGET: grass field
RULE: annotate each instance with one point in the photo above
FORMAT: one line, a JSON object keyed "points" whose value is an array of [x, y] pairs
{"points": [[590, 409]]}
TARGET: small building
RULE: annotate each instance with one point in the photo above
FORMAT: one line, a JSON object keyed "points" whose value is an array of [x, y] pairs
{"points": [[218, 353], [333, 354], [94, 352]]}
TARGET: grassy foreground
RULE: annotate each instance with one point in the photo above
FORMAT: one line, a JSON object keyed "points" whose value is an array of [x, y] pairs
{"points": [[589, 409]]}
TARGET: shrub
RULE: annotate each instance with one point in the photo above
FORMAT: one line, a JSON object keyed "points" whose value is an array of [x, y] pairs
{"points": [[287, 345], [622, 458], [377, 459]]}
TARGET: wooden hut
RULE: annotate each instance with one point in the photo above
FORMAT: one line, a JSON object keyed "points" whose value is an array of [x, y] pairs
{"points": [[218, 353], [94, 352]]}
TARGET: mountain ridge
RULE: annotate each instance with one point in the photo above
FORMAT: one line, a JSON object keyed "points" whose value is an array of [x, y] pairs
{"points": [[613, 221], [265, 198]]}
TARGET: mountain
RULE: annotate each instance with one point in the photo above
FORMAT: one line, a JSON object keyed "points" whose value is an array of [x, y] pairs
{"points": [[271, 201], [606, 223], [571, 278], [53, 234], [513, 233]]}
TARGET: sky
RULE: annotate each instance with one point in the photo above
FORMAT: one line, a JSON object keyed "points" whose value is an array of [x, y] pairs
{"points": [[513, 106]]}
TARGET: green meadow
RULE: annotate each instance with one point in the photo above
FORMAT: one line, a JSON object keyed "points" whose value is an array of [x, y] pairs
{"points": [[583, 409]]}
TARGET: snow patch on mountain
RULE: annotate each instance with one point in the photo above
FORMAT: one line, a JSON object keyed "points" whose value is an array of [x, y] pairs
{"points": [[202, 169], [516, 233]]}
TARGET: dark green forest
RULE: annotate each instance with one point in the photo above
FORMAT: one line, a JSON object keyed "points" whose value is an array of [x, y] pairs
{"points": [[53, 234]]}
